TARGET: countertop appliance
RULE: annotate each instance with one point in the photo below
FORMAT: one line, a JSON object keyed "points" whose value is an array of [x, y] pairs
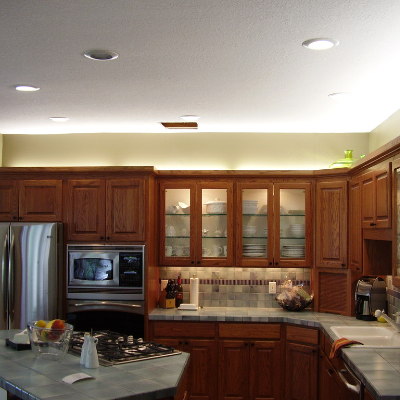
{"points": [[31, 258], [115, 348], [370, 296]]}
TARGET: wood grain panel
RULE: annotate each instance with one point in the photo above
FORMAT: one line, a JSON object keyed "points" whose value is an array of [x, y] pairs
{"points": [[250, 331], [332, 292], [184, 329], [304, 335]]}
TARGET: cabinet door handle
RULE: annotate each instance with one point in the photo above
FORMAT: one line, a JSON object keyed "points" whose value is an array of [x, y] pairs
{"points": [[276, 263], [246, 344], [372, 224], [343, 265], [252, 344]]}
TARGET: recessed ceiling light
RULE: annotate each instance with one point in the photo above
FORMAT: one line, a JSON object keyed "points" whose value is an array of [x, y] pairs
{"points": [[339, 95], [320, 43], [100, 55], [190, 117], [59, 119], [27, 88]]}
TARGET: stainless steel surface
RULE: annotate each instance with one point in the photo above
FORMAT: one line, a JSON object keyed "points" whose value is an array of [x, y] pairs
{"points": [[136, 307], [112, 288], [370, 295], [30, 270]]}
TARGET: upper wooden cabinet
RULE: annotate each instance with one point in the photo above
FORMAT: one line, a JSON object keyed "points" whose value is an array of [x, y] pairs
{"points": [[110, 210], [31, 200], [196, 222], [331, 224], [355, 228], [376, 200]]}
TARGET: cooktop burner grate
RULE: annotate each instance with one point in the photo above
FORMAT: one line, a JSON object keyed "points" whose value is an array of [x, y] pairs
{"points": [[115, 348]]}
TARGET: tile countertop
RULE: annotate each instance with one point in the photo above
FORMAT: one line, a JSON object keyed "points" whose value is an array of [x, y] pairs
{"points": [[377, 369], [37, 379]]}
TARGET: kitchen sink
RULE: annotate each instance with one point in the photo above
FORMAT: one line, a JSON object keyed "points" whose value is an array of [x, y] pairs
{"points": [[370, 336]]}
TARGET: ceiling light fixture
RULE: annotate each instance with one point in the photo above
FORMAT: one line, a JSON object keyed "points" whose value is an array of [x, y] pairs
{"points": [[190, 117], [59, 119], [320, 43], [179, 125], [100, 55], [27, 88]]}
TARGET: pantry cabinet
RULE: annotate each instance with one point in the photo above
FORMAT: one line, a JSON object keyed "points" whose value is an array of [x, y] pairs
{"points": [[196, 223], [31, 200], [250, 362], [273, 223], [301, 382], [106, 210], [376, 201], [198, 340], [331, 224]]}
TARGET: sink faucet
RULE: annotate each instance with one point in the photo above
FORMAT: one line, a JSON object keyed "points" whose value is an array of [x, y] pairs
{"points": [[396, 326]]}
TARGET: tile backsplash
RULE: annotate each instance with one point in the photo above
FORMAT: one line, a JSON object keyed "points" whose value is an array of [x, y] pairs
{"points": [[236, 287]]}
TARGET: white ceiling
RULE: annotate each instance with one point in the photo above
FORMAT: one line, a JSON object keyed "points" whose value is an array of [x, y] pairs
{"points": [[239, 64]]}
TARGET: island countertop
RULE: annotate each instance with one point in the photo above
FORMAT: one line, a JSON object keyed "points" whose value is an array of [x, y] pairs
{"points": [[31, 378], [378, 369]]}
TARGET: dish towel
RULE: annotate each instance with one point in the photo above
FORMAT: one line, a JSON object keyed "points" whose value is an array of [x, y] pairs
{"points": [[338, 344]]}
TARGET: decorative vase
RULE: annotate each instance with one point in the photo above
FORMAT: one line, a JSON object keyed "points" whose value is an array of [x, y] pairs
{"points": [[345, 162]]}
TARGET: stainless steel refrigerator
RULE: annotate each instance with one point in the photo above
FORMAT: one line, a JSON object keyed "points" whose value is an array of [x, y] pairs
{"points": [[31, 287]]}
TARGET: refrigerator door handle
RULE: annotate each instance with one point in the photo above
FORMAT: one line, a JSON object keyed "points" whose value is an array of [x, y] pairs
{"points": [[11, 277], [4, 273]]}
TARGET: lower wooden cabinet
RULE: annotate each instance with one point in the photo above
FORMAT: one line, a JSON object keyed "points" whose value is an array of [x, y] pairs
{"points": [[250, 368], [197, 339], [301, 368]]}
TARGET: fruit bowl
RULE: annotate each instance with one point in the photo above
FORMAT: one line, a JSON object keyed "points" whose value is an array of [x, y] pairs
{"points": [[295, 303], [50, 342]]}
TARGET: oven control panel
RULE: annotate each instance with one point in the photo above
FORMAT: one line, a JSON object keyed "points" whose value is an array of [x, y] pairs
{"points": [[131, 269]]}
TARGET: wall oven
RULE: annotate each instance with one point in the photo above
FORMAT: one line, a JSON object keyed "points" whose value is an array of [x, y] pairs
{"points": [[105, 287]]}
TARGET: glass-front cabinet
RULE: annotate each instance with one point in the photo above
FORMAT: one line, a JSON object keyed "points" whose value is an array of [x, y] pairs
{"points": [[196, 223], [273, 224]]}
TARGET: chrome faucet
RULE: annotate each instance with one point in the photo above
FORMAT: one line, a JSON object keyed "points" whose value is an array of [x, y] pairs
{"points": [[396, 325]]}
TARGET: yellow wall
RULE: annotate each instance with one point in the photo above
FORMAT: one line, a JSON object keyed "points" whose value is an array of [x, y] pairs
{"points": [[184, 150]]}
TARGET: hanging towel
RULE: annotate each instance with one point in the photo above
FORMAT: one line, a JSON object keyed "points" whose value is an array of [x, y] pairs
{"points": [[338, 344]]}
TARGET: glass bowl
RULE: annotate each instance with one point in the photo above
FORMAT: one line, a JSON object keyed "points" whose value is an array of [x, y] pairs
{"points": [[296, 303], [48, 343]]}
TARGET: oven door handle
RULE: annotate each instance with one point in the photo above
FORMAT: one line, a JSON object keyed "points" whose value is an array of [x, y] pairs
{"points": [[105, 303]]}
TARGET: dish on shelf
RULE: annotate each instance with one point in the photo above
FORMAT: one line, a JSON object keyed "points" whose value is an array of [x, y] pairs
{"points": [[253, 254], [297, 212], [215, 207]]}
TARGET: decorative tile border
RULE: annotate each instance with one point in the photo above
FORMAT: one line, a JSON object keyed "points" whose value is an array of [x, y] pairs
{"points": [[247, 282]]}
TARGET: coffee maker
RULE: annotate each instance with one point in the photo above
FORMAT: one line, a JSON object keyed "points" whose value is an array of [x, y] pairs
{"points": [[370, 296]]}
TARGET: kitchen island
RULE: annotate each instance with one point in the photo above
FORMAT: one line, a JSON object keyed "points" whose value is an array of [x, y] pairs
{"points": [[377, 369], [30, 378]]}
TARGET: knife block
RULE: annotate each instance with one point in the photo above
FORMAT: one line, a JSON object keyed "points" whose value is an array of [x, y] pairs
{"points": [[163, 302]]}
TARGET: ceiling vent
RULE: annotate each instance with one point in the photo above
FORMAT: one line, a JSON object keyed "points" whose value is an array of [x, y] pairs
{"points": [[179, 125]]}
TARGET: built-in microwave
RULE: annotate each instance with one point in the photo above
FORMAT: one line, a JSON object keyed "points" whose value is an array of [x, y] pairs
{"points": [[105, 272]]}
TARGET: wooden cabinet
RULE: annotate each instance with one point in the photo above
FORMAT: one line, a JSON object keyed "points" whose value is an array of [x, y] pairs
{"points": [[301, 382], [376, 201], [331, 224], [274, 226], [198, 340], [196, 226], [355, 228], [250, 362], [111, 210], [31, 200]]}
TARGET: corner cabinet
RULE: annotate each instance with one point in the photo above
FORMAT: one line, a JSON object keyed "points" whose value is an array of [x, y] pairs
{"points": [[196, 225], [106, 210], [273, 224], [331, 224]]}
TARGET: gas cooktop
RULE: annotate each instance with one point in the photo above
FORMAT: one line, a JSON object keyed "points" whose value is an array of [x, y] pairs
{"points": [[115, 348]]}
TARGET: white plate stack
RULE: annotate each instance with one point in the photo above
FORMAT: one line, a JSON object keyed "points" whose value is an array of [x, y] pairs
{"points": [[294, 251], [254, 250], [297, 230], [250, 206]]}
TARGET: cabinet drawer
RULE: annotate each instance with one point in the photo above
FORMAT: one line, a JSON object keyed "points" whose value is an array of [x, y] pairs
{"points": [[303, 335], [184, 329], [250, 331]]}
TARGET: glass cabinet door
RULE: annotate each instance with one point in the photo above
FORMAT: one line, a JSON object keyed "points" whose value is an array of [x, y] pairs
{"points": [[254, 225], [292, 225], [177, 225], [215, 244]]}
